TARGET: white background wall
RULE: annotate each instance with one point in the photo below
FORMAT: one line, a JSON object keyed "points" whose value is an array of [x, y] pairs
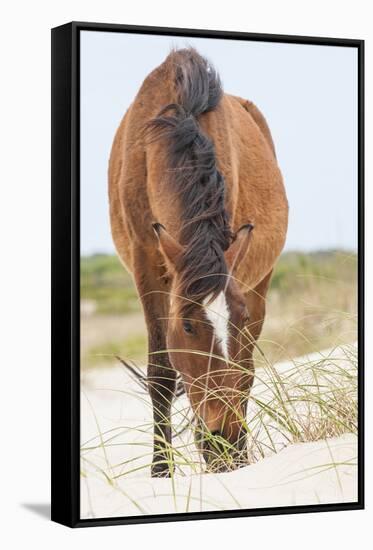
{"points": [[25, 271]]}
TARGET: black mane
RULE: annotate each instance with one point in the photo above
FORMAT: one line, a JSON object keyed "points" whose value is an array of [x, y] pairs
{"points": [[205, 230]]}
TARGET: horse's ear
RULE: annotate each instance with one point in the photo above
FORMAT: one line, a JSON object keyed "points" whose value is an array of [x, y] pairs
{"points": [[239, 247], [169, 247]]}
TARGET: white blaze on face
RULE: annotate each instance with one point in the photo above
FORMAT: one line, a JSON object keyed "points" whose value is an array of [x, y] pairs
{"points": [[217, 313]]}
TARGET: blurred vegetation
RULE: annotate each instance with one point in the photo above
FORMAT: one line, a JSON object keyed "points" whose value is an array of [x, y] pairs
{"points": [[104, 281], [133, 347], [296, 270], [311, 305]]}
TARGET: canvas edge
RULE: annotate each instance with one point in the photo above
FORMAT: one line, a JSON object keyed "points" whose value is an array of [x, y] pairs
{"points": [[66, 273], [64, 278]]}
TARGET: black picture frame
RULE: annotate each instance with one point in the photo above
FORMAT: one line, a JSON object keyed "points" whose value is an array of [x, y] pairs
{"points": [[65, 492]]}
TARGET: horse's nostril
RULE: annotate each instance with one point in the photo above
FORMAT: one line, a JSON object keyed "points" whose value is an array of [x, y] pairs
{"points": [[215, 433]]}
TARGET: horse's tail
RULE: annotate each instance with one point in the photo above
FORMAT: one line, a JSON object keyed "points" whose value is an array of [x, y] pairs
{"points": [[139, 377], [198, 90], [198, 84]]}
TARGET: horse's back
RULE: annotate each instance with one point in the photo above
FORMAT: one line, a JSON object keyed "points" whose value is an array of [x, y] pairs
{"points": [[139, 193], [130, 169], [255, 191]]}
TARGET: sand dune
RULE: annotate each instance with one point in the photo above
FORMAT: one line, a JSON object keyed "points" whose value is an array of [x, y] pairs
{"points": [[116, 435]]}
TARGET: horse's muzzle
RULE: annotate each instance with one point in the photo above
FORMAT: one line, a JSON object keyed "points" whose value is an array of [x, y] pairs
{"points": [[222, 456]]}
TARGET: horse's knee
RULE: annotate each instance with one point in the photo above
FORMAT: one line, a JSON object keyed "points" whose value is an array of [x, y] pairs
{"points": [[161, 382]]}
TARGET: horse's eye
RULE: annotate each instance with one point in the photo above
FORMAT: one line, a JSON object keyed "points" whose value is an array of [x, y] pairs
{"points": [[188, 327]]}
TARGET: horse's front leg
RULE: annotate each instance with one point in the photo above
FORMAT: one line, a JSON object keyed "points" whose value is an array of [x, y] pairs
{"points": [[161, 376], [162, 383], [256, 305]]}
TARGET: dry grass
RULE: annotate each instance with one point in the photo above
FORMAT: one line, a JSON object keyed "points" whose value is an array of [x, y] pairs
{"points": [[311, 399]]}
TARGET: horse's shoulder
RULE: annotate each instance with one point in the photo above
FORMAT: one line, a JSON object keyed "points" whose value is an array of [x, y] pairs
{"points": [[256, 115]]}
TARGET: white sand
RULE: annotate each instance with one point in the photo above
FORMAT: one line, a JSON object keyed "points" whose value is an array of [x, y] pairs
{"points": [[305, 473]]}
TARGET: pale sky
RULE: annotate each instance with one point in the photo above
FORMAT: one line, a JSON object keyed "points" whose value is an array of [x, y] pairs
{"points": [[308, 95]]}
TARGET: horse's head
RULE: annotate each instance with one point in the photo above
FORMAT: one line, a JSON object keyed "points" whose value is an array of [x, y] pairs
{"points": [[208, 346]]}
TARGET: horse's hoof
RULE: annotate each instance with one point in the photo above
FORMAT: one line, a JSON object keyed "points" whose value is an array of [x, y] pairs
{"points": [[160, 470]]}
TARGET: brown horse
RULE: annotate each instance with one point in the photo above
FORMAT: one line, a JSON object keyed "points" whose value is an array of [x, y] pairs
{"points": [[192, 171]]}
